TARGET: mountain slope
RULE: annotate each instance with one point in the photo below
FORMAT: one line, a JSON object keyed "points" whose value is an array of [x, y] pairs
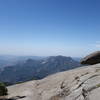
{"points": [[37, 69], [78, 84]]}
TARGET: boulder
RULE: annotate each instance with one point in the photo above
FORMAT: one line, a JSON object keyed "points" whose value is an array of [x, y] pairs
{"points": [[91, 59]]}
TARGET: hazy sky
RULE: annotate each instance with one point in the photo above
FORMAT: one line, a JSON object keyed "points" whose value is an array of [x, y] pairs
{"points": [[49, 27]]}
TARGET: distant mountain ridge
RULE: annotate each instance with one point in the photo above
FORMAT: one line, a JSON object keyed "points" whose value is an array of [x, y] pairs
{"points": [[37, 69], [9, 60]]}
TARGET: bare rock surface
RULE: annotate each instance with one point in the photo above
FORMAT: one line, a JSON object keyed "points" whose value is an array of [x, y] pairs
{"points": [[93, 58], [78, 84]]}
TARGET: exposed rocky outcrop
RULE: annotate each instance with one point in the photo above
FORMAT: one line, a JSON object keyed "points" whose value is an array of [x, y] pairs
{"points": [[91, 59], [78, 84]]}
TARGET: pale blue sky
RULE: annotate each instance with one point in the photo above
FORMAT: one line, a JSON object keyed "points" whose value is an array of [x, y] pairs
{"points": [[49, 27]]}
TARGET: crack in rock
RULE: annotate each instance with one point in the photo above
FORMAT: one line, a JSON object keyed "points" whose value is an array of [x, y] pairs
{"points": [[14, 98]]}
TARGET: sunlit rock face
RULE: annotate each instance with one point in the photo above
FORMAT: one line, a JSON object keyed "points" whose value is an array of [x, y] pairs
{"points": [[78, 84], [91, 59]]}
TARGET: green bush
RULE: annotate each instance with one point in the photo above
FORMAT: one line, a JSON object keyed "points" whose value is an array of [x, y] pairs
{"points": [[3, 89]]}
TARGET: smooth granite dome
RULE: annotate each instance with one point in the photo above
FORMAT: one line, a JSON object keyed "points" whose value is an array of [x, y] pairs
{"points": [[93, 58]]}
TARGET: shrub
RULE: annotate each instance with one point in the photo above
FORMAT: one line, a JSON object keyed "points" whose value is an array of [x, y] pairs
{"points": [[98, 85], [3, 89]]}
